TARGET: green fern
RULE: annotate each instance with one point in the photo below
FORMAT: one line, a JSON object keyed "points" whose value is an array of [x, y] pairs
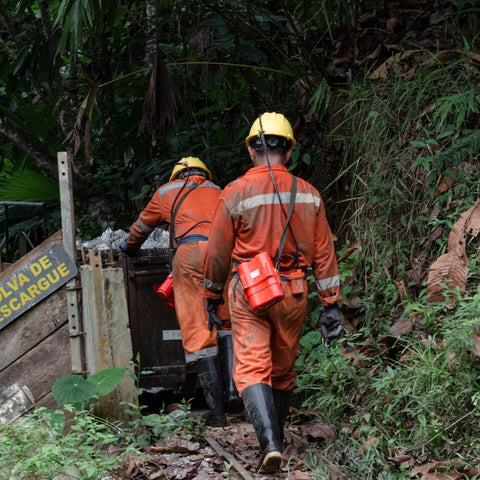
{"points": [[455, 109]]}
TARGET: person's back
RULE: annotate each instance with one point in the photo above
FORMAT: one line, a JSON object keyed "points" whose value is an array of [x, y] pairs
{"points": [[196, 197], [249, 222], [260, 215], [187, 204]]}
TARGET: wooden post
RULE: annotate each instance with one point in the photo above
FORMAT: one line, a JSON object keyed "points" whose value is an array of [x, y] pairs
{"points": [[107, 340], [69, 242]]}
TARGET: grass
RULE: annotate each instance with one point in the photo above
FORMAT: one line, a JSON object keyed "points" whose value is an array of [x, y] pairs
{"points": [[415, 394], [38, 448], [74, 443]]}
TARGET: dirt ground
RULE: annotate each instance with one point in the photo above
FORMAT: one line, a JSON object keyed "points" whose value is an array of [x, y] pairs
{"points": [[232, 452]]}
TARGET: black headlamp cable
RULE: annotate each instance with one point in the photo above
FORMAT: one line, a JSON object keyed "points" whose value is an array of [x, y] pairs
{"points": [[287, 217]]}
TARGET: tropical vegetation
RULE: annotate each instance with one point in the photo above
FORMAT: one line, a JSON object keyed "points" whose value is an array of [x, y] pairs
{"points": [[384, 97]]}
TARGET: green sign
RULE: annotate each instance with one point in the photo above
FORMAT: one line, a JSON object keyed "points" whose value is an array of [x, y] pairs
{"points": [[33, 282]]}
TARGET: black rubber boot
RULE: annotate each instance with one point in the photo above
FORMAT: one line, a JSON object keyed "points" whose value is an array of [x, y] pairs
{"points": [[233, 403], [258, 401], [210, 379], [281, 399]]}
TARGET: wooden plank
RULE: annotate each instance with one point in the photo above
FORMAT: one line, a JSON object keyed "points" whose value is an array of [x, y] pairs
{"points": [[32, 327], [39, 368], [47, 401], [97, 349], [108, 341], [35, 281], [35, 325]]}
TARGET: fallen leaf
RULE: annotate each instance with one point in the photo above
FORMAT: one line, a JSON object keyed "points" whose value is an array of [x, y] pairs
{"points": [[437, 233], [471, 473], [405, 460], [429, 467], [402, 290], [447, 182], [450, 270], [368, 444], [299, 475], [449, 56], [318, 431], [442, 476], [469, 222], [172, 407], [353, 302], [476, 350], [382, 70], [176, 444], [401, 327], [158, 476], [391, 24]]}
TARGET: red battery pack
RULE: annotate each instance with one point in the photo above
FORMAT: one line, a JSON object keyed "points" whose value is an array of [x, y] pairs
{"points": [[261, 282], [165, 291]]}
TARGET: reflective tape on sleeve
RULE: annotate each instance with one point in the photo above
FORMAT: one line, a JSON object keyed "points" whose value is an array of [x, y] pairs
{"points": [[144, 227], [327, 283]]}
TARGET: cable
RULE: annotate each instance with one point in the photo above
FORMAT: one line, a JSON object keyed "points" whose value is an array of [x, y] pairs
{"points": [[171, 249], [184, 184], [264, 143]]}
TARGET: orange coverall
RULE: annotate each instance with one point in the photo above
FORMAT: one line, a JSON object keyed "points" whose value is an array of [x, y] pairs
{"points": [[192, 219], [249, 220]]}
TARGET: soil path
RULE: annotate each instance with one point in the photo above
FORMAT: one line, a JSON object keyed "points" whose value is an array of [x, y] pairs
{"points": [[232, 453]]}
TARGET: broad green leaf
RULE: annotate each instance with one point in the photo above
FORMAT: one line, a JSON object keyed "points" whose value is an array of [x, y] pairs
{"points": [[319, 353], [106, 380], [73, 389], [311, 339]]}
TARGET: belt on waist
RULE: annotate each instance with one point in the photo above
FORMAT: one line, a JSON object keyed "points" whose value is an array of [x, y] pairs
{"points": [[282, 277], [286, 279], [193, 238]]}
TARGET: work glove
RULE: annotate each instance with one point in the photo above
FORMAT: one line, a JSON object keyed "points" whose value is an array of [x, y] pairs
{"points": [[331, 323], [213, 320], [124, 247]]}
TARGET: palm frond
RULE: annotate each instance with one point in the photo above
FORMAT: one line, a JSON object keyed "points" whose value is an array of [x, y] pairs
{"points": [[27, 185], [159, 104]]}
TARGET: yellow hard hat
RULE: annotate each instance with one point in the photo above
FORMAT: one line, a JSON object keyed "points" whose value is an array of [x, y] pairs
{"points": [[272, 124], [189, 162]]}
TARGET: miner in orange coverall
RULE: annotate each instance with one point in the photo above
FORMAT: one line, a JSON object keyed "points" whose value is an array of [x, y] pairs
{"points": [[191, 197], [250, 218]]}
